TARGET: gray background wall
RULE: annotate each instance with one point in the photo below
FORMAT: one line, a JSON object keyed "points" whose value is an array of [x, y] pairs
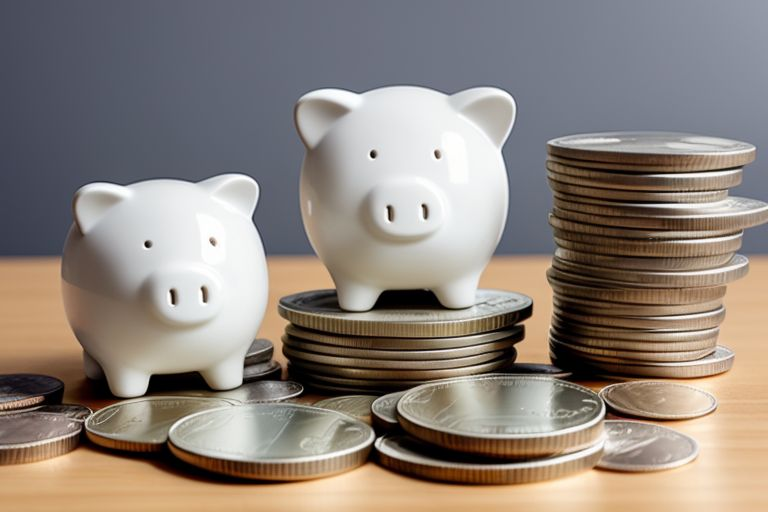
{"points": [[125, 91]]}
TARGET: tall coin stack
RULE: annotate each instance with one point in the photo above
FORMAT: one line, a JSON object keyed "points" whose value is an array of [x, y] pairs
{"points": [[405, 340], [646, 240]]}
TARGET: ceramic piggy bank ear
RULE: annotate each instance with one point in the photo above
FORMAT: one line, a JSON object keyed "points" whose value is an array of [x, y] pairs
{"points": [[236, 191], [93, 201], [316, 111], [491, 109]]}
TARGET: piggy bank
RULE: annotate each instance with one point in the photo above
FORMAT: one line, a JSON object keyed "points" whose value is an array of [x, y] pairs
{"points": [[404, 188], [165, 276]]}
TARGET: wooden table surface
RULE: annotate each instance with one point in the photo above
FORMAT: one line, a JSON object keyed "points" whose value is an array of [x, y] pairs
{"points": [[730, 474]]}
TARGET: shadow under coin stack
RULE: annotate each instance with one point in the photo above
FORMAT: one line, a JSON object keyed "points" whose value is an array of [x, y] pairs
{"points": [[408, 338], [646, 240]]}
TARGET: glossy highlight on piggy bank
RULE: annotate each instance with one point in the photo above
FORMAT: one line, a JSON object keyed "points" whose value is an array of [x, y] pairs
{"points": [[404, 188], [165, 276]]}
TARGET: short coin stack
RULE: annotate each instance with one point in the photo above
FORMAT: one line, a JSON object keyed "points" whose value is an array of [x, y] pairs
{"points": [[646, 240], [407, 339], [495, 429]]}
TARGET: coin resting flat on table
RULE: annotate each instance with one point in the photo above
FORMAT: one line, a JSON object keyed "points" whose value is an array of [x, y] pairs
{"points": [[658, 400], [635, 446], [33, 436]]}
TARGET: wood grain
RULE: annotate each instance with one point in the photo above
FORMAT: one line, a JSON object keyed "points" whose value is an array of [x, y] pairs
{"points": [[730, 473]]}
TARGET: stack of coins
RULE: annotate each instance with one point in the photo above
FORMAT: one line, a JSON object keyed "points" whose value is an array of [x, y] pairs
{"points": [[407, 339], [495, 429], [646, 240]]}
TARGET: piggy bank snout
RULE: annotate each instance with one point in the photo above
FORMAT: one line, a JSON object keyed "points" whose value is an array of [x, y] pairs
{"points": [[187, 295], [410, 208]]}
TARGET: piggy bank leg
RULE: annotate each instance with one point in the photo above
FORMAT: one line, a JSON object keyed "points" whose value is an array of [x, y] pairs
{"points": [[92, 367], [126, 382], [227, 374], [458, 294], [354, 296]]}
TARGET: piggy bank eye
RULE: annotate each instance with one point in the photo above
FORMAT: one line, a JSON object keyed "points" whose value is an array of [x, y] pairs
{"points": [[373, 154], [213, 241], [438, 154], [148, 244]]}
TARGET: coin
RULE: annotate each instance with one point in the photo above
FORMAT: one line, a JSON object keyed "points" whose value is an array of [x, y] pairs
{"points": [[736, 268], [384, 412], [20, 390], [141, 424], [670, 182], [655, 248], [570, 230], [658, 400], [508, 416], [500, 361], [718, 362], [406, 314], [628, 167], [33, 436], [74, 412], [575, 328], [733, 213], [643, 263], [586, 306], [612, 355], [540, 369], [636, 446], [302, 356], [357, 406], [638, 345], [252, 392], [404, 454], [279, 441], [592, 195], [260, 351], [270, 370], [371, 344], [334, 384], [683, 150], [403, 355], [690, 322]]}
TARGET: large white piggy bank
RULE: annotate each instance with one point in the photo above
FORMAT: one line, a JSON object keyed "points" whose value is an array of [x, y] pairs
{"points": [[404, 188], [165, 276]]}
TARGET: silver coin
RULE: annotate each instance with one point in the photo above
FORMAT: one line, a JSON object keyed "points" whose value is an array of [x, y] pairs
{"points": [[279, 441], [639, 345], [252, 392], [260, 351], [606, 308], [733, 213], [33, 436], [499, 415], [570, 230], [141, 424], [74, 412], [575, 328], [407, 314], [539, 369], [636, 247], [659, 182], [20, 390], [357, 406], [384, 412], [410, 456], [612, 355], [718, 362], [690, 322], [643, 263], [658, 400], [591, 195], [636, 446], [270, 370], [735, 269], [437, 354], [303, 356], [683, 150]]}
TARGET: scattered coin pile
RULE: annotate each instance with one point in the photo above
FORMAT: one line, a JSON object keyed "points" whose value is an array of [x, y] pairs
{"points": [[493, 429], [407, 339], [646, 240]]}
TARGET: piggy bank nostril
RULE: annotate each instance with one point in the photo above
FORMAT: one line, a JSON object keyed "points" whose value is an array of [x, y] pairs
{"points": [[424, 211], [173, 298], [204, 294], [390, 213]]}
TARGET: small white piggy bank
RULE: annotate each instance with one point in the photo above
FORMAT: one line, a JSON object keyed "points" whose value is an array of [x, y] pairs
{"points": [[404, 188], [165, 276]]}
